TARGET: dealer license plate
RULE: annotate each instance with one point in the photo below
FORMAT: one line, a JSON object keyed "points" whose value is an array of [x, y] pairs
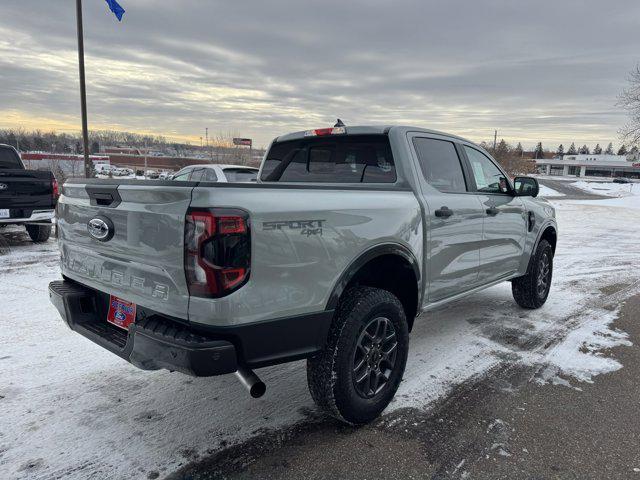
{"points": [[121, 313], [4, 213]]}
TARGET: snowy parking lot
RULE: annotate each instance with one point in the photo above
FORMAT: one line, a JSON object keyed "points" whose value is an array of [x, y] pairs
{"points": [[71, 409]]}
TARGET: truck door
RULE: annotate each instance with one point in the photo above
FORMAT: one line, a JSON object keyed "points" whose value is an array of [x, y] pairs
{"points": [[505, 219], [453, 217]]}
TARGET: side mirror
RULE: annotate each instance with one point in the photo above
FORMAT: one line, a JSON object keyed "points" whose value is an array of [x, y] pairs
{"points": [[526, 186]]}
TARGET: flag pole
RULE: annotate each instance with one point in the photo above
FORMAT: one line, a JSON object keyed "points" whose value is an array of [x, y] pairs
{"points": [[83, 89]]}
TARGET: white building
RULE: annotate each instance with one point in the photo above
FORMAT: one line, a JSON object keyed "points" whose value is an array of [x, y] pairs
{"points": [[586, 165]]}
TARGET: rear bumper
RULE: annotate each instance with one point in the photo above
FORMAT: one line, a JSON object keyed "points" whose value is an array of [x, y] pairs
{"points": [[154, 341], [34, 216], [150, 344]]}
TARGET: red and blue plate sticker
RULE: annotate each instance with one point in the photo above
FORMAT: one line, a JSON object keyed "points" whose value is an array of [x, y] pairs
{"points": [[121, 313]]}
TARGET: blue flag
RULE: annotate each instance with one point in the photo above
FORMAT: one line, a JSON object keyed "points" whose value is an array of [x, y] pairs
{"points": [[116, 8]]}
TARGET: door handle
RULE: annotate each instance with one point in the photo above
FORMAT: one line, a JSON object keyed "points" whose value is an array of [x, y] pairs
{"points": [[443, 212], [492, 211]]}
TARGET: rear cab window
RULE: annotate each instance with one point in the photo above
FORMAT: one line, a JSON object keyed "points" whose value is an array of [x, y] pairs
{"points": [[9, 159], [331, 159]]}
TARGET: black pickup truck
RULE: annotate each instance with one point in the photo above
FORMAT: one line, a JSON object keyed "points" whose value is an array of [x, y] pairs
{"points": [[27, 197]]}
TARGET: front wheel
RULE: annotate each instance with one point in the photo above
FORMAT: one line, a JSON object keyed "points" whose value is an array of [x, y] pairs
{"points": [[39, 233], [532, 289], [357, 374]]}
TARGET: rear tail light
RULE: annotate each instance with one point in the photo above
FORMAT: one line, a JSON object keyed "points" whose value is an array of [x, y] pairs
{"points": [[217, 251], [55, 188]]}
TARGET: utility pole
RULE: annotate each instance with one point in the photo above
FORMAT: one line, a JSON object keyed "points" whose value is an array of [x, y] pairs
{"points": [[83, 89], [495, 139]]}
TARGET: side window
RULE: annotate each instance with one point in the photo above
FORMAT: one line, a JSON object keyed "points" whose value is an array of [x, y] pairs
{"points": [[182, 175], [440, 164], [210, 175], [488, 177], [196, 174]]}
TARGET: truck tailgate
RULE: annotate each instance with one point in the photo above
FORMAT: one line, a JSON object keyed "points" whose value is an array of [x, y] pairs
{"points": [[26, 189], [143, 262]]}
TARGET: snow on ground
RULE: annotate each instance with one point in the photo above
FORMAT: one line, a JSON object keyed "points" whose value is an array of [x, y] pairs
{"points": [[71, 409], [609, 189], [549, 192]]}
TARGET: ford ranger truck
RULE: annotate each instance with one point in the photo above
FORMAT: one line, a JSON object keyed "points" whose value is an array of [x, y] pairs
{"points": [[27, 197], [348, 234]]}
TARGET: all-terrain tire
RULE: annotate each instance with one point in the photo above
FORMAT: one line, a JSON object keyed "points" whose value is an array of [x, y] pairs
{"points": [[39, 233], [330, 374], [528, 291]]}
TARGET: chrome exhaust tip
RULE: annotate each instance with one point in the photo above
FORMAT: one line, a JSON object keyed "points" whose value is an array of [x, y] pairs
{"points": [[251, 381]]}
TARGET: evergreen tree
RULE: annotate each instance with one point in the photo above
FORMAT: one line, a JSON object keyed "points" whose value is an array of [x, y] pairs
{"points": [[597, 150], [538, 152], [517, 152], [95, 148], [572, 149], [622, 150], [560, 151], [584, 150], [502, 149], [609, 150]]}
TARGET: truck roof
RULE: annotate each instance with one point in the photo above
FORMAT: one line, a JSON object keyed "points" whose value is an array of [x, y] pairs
{"points": [[372, 130]]}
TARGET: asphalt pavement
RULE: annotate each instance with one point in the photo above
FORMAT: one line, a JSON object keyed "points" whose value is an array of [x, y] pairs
{"points": [[569, 191], [503, 426]]}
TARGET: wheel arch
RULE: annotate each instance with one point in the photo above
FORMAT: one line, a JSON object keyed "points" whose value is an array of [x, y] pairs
{"points": [[550, 234], [402, 276]]}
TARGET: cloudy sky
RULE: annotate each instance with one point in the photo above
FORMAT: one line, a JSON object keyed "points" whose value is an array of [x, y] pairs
{"points": [[534, 70]]}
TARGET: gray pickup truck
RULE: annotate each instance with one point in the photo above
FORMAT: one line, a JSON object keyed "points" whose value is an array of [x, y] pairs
{"points": [[348, 235]]}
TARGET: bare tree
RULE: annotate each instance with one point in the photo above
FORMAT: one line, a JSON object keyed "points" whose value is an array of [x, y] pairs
{"points": [[629, 99]]}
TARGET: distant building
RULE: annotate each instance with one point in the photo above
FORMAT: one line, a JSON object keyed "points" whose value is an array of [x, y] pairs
{"points": [[589, 165]]}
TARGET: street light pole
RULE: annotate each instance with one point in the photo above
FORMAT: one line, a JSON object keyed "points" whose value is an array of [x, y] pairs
{"points": [[83, 89]]}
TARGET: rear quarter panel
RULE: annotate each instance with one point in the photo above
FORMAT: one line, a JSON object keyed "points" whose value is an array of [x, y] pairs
{"points": [[294, 268]]}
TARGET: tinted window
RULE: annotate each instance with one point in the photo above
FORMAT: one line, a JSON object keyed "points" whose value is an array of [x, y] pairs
{"points": [[210, 175], [196, 174], [440, 164], [488, 177], [334, 159], [182, 175], [240, 174], [9, 158]]}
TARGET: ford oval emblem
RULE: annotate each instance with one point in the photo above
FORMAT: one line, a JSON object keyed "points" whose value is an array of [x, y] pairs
{"points": [[3, 186], [100, 228]]}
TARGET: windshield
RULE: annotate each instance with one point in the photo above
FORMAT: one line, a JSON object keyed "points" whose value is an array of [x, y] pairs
{"points": [[240, 174], [9, 159]]}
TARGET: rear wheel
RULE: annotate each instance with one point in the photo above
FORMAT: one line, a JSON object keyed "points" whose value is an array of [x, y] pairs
{"points": [[357, 374], [532, 289], [39, 233]]}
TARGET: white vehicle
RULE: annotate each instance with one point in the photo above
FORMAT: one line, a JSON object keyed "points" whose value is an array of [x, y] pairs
{"points": [[122, 172], [103, 168], [217, 173]]}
